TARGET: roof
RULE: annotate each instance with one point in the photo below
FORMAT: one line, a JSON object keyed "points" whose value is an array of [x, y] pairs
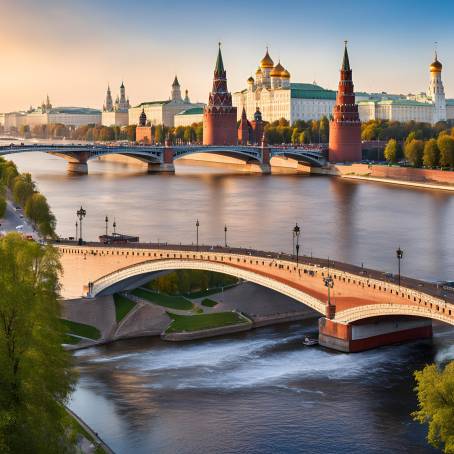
{"points": [[450, 102], [152, 103], [219, 63], [75, 111], [346, 61], [311, 91], [192, 111]]}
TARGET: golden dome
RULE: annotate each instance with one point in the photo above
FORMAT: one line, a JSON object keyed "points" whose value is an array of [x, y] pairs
{"points": [[251, 79], [436, 67], [259, 70], [277, 70], [285, 74], [266, 61]]}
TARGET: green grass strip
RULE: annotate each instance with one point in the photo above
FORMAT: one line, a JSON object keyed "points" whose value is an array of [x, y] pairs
{"points": [[79, 329], [207, 302], [189, 323], [171, 302], [122, 306]]}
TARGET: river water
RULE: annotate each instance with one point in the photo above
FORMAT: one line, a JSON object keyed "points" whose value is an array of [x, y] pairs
{"points": [[259, 392]]}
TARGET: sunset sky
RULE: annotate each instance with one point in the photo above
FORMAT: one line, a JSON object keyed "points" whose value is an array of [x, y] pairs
{"points": [[73, 49]]}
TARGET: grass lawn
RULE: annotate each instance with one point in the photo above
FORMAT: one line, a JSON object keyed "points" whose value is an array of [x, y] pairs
{"points": [[188, 323], [209, 303], [172, 302], [80, 329], [70, 340], [210, 291], [122, 306]]}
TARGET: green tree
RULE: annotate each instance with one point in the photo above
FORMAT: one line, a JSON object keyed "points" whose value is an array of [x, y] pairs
{"points": [[23, 188], [324, 129], [36, 378], [446, 146], [38, 211], [431, 154], [414, 152], [435, 389], [188, 134], [391, 150], [2, 206], [295, 136]]}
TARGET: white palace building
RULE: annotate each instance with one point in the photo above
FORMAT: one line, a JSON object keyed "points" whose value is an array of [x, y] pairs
{"points": [[430, 107], [277, 97]]}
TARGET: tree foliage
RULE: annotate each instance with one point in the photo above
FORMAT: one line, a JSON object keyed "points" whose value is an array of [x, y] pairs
{"points": [[35, 372], [23, 188], [391, 150], [446, 146], [38, 211], [435, 391], [431, 156], [414, 152]]}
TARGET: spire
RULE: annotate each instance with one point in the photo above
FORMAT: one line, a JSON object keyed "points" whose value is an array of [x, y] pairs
{"points": [[175, 82], [219, 63], [346, 62], [143, 118], [122, 85]]}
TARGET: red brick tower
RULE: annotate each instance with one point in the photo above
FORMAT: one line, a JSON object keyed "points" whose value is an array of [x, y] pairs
{"points": [[345, 127], [244, 130], [219, 116]]}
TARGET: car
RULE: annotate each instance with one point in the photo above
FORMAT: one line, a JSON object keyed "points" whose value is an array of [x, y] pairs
{"points": [[20, 227], [21, 216]]}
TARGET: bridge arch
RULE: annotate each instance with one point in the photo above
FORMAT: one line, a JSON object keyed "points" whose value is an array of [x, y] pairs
{"points": [[104, 284], [382, 310], [248, 154]]}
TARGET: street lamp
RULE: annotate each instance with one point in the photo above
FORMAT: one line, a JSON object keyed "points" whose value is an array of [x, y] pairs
{"points": [[80, 214], [197, 224], [296, 236], [399, 254], [77, 225], [225, 235], [114, 226], [106, 220]]}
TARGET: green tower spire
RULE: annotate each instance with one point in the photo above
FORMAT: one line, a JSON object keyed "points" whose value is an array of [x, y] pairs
{"points": [[346, 62], [219, 63]]}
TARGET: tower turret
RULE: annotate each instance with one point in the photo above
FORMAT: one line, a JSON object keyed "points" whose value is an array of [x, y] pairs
{"points": [[219, 117], [186, 97], [123, 105], [109, 103], [436, 91], [143, 118], [244, 129], [176, 91], [345, 127]]}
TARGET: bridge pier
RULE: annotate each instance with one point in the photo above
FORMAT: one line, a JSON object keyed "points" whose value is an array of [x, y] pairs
{"points": [[167, 165], [372, 333], [80, 168]]}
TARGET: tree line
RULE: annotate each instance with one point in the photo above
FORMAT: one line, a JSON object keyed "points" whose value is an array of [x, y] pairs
{"points": [[24, 193]]}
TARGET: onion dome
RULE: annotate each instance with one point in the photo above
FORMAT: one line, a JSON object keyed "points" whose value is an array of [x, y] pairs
{"points": [[266, 62], [259, 71], [436, 66], [251, 80], [285, 74], [143, 118], [277, 70]]}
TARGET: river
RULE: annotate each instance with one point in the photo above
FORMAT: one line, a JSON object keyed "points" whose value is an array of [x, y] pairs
{"points": [[259, 392]]}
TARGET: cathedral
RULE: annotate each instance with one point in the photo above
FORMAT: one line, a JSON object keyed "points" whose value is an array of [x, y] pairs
{"points": [[273, 93], [115, 114]]}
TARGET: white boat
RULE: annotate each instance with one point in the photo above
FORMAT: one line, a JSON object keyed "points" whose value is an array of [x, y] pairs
{"points": [[308, 342]]}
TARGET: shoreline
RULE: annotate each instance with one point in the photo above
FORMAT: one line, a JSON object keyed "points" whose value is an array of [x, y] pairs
{"points": [[411, 184]]}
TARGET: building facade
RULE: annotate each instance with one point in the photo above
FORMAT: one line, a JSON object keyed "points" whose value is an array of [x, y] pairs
{"points": [[189, 116], [277, 97], [345, 126], [429, 107], [219, 116], [116, 114], [163, 112]]}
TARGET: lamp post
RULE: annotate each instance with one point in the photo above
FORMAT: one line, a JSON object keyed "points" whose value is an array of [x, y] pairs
{"points": [[81, 213], [225, 235], [296, 236], [106, 220], [77, 226], [114, 226], [399, 254], [197, 224]]}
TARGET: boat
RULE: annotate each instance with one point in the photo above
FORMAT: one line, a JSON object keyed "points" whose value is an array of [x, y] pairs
{"points": [[308, 342]]}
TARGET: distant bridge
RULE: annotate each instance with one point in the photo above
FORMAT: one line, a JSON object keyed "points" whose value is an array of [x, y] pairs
{"points": [[161, 158], [366, 308]]}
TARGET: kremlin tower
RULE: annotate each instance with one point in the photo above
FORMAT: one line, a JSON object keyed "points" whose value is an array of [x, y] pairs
{"points": [[219, 116], [436, 91], [345, 127]]}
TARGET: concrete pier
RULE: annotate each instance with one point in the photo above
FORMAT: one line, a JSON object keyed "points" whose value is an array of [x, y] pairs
{"points": [[373, 332], [78, 168], [162, 168]]}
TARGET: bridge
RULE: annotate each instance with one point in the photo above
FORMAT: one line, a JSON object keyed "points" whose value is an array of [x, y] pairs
{"points": [[365, 308], [162, 158]]}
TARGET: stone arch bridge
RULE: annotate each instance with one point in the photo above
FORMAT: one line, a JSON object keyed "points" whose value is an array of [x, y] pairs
{"points": [[161, 158], [365, 309]]}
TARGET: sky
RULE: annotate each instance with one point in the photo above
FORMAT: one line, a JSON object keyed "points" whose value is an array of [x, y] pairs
{"points": [[71, 49]]}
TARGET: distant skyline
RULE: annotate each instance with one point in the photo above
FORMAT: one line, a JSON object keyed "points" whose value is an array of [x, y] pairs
{"points": [[71, 50]]}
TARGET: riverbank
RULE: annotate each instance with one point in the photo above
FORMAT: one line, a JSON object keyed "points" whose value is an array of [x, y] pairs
{"points": [[260, 306]]}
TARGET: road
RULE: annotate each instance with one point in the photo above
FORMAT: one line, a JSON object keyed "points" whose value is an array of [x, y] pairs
{"points": [[13, 218]]}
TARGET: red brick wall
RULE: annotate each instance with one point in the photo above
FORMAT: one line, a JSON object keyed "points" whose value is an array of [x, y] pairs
{"points": [[409, 174], [344, 142], [220, 128], [143, 134]]}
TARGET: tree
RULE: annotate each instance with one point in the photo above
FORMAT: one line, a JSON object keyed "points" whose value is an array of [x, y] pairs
{"points": [[2, 206], [23, 188], [414, 152], [446, 146], [391, 151], [36, 378], [431, 154], [435, 389], [38, 211], [295, 136]]}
